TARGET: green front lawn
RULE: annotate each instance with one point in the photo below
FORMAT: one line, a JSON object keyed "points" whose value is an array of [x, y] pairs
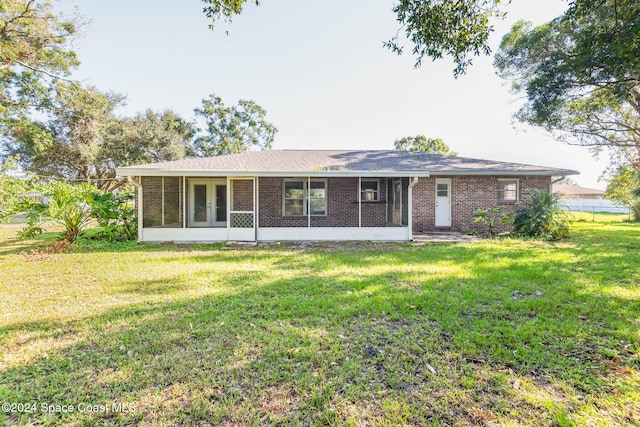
{"points": [[506, 332]]}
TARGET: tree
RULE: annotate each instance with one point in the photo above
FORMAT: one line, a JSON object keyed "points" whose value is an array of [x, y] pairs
{"points": [[580, 74], [232, 129], [623, 185], [436, 28], [147, 137], [12, 187], [81, 138], [424, 145], [64, 142], [34, 54]]}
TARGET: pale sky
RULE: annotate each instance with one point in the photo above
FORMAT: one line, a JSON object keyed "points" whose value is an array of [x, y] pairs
{"points": [[320, 71]]}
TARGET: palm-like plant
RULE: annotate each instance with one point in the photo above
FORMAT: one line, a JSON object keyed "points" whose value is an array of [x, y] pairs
{"points": [[539, 215]]}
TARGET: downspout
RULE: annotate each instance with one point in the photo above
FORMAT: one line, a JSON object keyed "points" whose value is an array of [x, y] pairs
{"points": [[138, 186], [410, 207]]}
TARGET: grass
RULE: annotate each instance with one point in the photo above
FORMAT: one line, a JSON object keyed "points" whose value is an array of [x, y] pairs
{"points": [[505, 332], [598, 216]]}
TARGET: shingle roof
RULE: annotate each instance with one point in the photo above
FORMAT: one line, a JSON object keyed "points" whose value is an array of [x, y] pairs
{"points": [[338, 162], [568, 189]]}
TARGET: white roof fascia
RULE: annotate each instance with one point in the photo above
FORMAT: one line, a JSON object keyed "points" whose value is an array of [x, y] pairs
{"points": [[506, 173], [373, 174], [313, 174]]}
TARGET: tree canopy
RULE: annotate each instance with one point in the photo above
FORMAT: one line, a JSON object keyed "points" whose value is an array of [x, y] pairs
{"points": [[34, 54], [424, 145], [81, 139], [580, 73], [436, 28], [151, 136], [57, 128], [233, 129], [623, 186], [12, 187], [64, 140]]}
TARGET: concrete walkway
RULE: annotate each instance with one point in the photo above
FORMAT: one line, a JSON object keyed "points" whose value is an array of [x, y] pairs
{"points": [[446, 237]]}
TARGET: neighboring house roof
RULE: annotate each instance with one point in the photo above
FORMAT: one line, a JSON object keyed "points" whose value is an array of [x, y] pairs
{"points": [[338, 163], [571, 190]]}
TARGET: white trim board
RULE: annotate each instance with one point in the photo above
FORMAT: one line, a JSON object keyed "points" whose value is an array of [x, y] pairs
{"points": [[270, 234], [385, 234]]}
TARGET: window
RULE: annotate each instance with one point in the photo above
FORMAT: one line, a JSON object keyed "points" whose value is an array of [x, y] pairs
{"points": [[296, 195], [369, 190], [507, 190], [442, 189]]}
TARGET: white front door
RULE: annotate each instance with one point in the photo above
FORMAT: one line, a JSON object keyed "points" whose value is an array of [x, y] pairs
{"points": [[207, 203], [443, 202]]}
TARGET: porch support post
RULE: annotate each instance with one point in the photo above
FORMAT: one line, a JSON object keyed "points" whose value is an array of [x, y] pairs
{"points": [[256, 209], [162, 222], [140, 210], [184, 201], [228, 207], [308, 202], [410, 207], [359, 202]]}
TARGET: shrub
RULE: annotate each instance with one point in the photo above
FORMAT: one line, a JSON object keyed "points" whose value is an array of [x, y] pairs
{"points": [[491, 218], [69, 205], [74, 206], [115, 213], [538, 215]]}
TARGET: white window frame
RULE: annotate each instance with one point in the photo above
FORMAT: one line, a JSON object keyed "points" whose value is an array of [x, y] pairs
{"points": [[306, 200], [376, 192], [501, 192]]}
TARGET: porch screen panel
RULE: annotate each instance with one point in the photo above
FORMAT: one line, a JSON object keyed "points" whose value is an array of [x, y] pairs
{"points": [[294, 198], [242, 195], [151, 201], [200, 203], [242, 209], [318, 198], [221, 202], [172, 202]]}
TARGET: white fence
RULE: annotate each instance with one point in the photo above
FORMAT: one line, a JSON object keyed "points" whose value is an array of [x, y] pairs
{"points": [[592, 205]]}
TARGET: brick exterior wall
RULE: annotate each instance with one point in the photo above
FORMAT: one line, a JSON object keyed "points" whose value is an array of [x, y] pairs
{"points": [[242, 193], [342, 205], [467, 194]]}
